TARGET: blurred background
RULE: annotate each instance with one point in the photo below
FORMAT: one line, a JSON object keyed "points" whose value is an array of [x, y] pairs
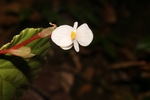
{"points": [[116, 65]]}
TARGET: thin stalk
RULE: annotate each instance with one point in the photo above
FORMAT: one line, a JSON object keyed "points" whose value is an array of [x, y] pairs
{"points": [[4, 51], [25, 42]]}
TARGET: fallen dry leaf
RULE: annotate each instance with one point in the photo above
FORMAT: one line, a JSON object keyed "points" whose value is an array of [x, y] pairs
{"points": [[84, 89]]}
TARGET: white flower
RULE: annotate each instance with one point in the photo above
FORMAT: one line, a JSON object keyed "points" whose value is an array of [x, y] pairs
{"points": [[66, 36]]}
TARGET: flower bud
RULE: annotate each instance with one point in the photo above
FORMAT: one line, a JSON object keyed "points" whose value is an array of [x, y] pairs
{"points": [[47, 31]]}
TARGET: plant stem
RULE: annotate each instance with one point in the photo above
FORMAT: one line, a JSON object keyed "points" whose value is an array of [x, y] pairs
{"points": [[4, 51], [25, 42]]}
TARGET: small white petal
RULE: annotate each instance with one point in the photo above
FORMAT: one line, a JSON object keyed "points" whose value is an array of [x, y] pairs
{"points": [[84, 35], [75, 25], [61, 35], [76, 45], [66, 48]]}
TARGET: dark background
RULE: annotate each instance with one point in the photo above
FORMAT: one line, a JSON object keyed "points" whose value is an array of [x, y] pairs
{"points": [[114, 67]]}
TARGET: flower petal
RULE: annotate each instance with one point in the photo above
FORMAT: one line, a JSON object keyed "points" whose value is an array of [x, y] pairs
{"points": [[61, 35], [66, 48], [84, 35], [75, 26], [76, 45]]}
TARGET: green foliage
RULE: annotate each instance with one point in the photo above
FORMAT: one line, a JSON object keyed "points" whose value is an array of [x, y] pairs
{"points": [[17, 73], [144, 44], [109, 43]]}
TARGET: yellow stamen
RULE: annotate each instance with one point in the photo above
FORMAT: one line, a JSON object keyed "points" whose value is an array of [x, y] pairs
{"points": [[73, 35]]}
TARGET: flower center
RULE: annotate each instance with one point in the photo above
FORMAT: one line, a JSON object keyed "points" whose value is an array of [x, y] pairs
{"points": [[73, 35]]}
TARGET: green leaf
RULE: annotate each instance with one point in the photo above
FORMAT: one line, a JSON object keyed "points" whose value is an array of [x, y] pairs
{"points": [[17, 73], [144, 44]]}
